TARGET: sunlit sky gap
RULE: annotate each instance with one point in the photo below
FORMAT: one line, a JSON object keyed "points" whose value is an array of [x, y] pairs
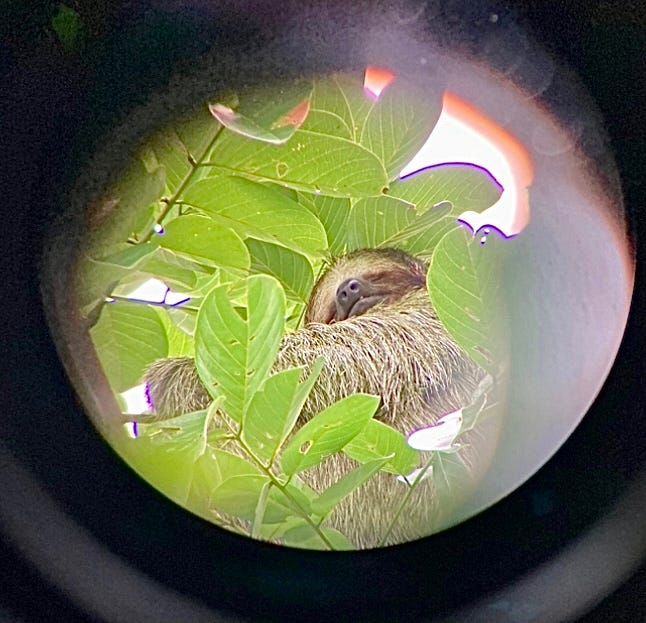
{"points": [[464, 135]]}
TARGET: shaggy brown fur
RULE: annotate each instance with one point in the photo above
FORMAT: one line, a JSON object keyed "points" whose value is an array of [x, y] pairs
{"points": [[385, 340]]}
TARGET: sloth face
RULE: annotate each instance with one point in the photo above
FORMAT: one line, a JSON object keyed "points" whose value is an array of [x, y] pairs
{"points": [[355, 283]]}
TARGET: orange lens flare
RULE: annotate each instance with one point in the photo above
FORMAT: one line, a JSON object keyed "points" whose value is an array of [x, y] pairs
{"points": [[376, 79], [510, 214]]}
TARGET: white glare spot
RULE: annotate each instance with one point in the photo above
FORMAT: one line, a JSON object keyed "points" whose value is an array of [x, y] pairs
{"points": [[136, 400], [156, 291], [152, 290], [414, 475], [437, 437], [131, 429], [173, 298], [450, 140]]}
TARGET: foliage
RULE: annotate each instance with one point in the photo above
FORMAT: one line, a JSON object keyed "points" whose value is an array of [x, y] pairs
{"points": [[67, 27], [238, 211]]}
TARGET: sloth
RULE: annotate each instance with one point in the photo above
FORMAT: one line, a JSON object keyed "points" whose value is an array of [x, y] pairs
{"points": [[370, 318]]}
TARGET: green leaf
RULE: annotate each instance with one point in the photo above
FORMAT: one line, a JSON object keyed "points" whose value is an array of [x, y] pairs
{"points": [[132, 265], [378, 440], [230, 465], [333, 213], [270, 114], [96, 281], [452, 480], [424, 233], [399, 123], [261, 508], [339, 541], [186, 432], [170, 472], [464, 186], [98, 278], [308, 161], [234, 355], [328, 500], [484, 402], [235, 486], [388, 222], [264, 422], [339, 107], [205, 477], [393, 127], [180, 343], [184, 318], [302, 392], [129, 256], [274, 410], [306, 537], [203, 239], [375, 221], [292, 269], [328, 432], [281, 506], [68, 27], [463, 283], [418, 211], [174, 270], [180, 145], [239, 496], [128, 337], [275, 131], [126, 210], [258, 211]]}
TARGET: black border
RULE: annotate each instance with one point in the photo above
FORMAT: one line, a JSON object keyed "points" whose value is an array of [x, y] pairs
{"points": [[144, 558]]}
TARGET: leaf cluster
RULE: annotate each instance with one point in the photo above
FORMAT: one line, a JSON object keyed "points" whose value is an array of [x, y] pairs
{"points": [[239, 213]]}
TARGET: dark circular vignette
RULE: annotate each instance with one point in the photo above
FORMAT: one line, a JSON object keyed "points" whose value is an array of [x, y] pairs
{"points": [[158, 559]]}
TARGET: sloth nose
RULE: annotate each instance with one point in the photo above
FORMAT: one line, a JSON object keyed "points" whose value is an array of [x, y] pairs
{"points": [[350, 291]]}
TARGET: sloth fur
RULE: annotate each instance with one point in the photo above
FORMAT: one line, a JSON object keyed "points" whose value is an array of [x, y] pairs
{"points": [[386, 340]]}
